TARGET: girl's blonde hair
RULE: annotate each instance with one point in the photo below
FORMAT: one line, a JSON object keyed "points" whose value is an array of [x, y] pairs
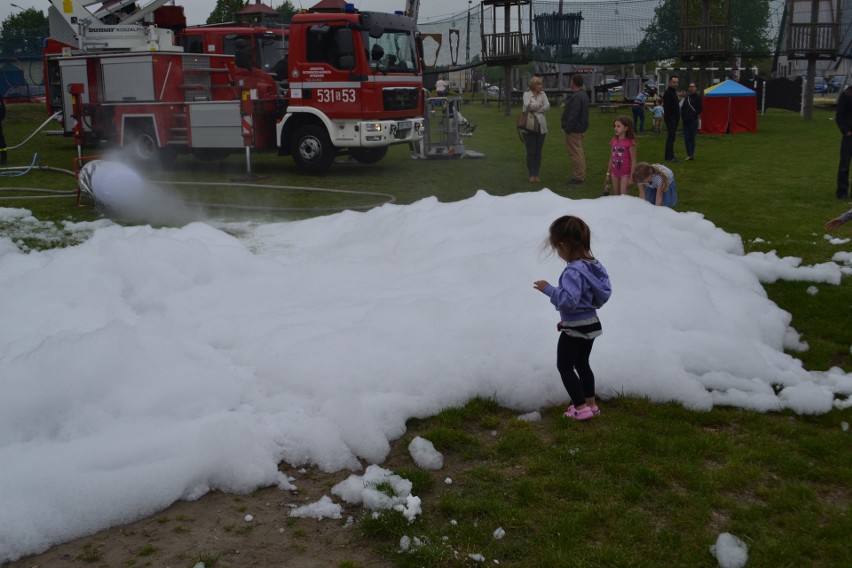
{"points": [[628, 123], [535, 80], [573, 234], [642, 171]]}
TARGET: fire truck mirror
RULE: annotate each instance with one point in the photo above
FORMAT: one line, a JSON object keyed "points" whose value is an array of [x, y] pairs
{"points": [[377, 52], [242, 55]]}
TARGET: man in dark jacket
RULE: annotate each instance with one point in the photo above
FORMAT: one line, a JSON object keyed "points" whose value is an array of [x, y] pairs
{"points": [[575, 122], [3, 149], [843, 119], [671, 115]]}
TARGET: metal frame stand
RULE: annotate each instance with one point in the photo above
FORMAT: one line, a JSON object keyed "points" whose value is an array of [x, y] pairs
{"points": [[442, 138]]}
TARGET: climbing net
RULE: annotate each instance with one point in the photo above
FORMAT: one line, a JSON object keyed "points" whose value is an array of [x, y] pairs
{"points": [[605, 32]]}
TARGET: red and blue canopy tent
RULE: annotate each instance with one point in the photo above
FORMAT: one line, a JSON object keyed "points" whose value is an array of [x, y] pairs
{"points": [[728, 108]]}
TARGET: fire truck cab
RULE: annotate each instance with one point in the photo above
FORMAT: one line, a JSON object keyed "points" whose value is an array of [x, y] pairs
{"points": [[354, 82]]}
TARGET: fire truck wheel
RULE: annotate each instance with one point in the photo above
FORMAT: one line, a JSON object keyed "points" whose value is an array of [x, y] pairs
{"points": [[312, 149], [368, 155], [141, 147]]}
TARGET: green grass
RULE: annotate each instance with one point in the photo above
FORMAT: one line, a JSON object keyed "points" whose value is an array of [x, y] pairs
{"points": [[648, 484], [90, 553]]}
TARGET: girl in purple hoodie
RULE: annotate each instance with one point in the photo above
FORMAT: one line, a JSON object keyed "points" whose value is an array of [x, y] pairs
{"points": [[583, 288]]}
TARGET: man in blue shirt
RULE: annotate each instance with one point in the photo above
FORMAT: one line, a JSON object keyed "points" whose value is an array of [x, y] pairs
{"points": [[638, 109]]}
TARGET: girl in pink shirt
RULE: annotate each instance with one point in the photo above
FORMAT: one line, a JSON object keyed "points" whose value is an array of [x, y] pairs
{"points": [[623, 155]]}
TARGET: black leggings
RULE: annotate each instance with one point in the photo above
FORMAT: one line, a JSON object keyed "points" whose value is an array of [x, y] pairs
{"points": [[573, 353], [535, 145]]}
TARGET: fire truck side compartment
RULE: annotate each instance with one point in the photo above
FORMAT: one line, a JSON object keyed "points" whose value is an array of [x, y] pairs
{"points": [[216, 125], [128, 79]]}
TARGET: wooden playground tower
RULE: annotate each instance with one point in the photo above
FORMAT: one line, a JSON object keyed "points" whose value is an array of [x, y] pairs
{"points": [[705, 33], [812, 31], [511, 43], [507, 46]]}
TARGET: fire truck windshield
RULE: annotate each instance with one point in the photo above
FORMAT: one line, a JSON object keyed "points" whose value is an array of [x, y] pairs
{"points": [[398, 54], [271, 53]]}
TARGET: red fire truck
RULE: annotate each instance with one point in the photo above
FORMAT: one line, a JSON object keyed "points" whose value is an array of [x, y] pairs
{"points": [[347, 82]]}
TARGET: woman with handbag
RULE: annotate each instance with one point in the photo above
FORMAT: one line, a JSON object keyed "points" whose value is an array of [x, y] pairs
{"points": [[690, 112], [536, 104]]}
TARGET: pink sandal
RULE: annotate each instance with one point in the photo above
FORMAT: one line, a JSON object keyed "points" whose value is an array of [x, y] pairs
{"points": [[581, 415], [595, 410]]}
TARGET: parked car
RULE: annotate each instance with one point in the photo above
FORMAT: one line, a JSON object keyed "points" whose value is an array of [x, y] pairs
{"points": [[612, 85], [820, 86], [25, 94], [835, 83]]}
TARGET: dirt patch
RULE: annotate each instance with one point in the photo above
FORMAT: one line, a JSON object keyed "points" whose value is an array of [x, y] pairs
{"points": [[215, 526]]}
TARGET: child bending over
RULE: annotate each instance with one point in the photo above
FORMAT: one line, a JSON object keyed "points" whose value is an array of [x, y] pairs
{"points": [[656, 184]]}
